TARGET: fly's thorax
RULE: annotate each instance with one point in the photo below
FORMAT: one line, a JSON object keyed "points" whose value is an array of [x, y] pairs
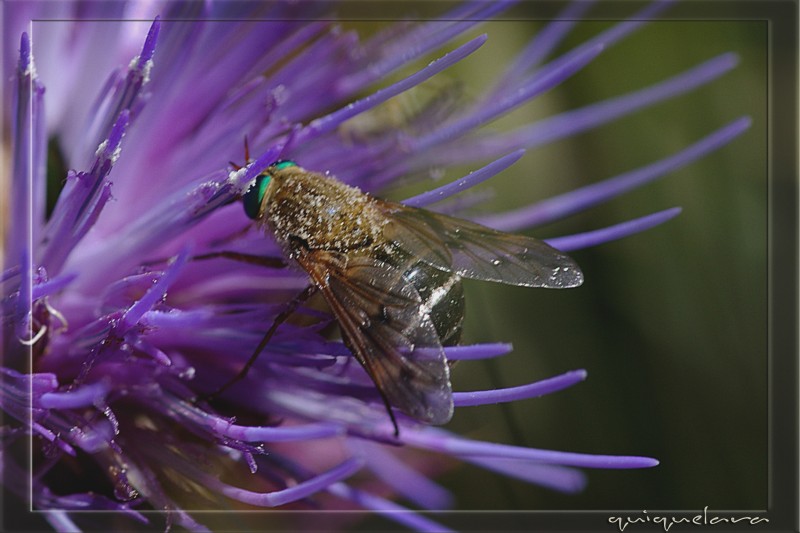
{"points": [[320, 211]]}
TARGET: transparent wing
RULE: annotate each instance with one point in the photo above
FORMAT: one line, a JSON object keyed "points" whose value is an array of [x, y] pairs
{"points": [[384, 325], [477, 252]]}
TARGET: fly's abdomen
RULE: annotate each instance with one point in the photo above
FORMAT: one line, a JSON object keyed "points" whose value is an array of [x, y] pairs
{"points": [[442, 295]]}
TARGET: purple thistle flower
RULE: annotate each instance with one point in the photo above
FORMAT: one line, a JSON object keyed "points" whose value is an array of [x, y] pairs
{"points": [[114, 329]]}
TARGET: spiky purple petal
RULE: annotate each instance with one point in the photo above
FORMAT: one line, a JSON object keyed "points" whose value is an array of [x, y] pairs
{"points": [[470, 180], [327, 123], [82, 201], [85, 396], [387, 508], [419, 41], [297, 492], [439, 440], [305, 432], [577, 200], [51, 286], [155, 293], [522, 392], [612, 233], [550, 76], [543, 44], [477, 351], [405, 480], [591, 116], [28, 164], [562, 479]]}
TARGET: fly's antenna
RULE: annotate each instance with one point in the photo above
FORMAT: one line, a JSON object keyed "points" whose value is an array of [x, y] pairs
{"points": [[237, 166]]}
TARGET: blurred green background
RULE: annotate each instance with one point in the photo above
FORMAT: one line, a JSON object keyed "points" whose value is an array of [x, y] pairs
{"points": [[671, 324]]}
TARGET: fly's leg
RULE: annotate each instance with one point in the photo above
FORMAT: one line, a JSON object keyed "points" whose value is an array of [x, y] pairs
{"points": [[268, 262], [261, 260], [291, 307], [265, 261]]}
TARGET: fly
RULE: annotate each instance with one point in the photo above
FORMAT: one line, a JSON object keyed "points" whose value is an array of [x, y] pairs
{"points": [[391, 275]]}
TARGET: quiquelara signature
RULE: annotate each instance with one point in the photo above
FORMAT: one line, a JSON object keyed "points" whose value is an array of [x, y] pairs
{"points": [[700, 519]]}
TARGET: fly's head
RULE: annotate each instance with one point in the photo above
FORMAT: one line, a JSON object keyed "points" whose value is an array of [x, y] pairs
{"points": [[256, 198]]}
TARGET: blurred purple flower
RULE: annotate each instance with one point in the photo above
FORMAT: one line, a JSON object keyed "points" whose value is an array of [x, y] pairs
{"points": [[106, 346]]}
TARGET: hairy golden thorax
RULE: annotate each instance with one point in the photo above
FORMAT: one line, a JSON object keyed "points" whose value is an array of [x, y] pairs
{"points": [[323, 212]]}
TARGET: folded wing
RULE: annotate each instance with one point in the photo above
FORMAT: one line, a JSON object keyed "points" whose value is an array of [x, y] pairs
{"points": [[386, 327], [477, 252]]}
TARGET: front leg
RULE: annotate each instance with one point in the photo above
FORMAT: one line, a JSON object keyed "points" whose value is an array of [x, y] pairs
{"points": [[265, 261], [280, 318]]}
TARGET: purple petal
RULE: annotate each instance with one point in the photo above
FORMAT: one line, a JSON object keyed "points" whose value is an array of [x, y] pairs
{"points": [[544, 42], [155, 293], [408, 483], [18, 392], [24, 303], [562, 479], [10, 273], [51, 286], [550, 76], [60, 521], [304, 432], [91, 502], [173, 216], [92, 438], [140, 344], [470, 180], [332, 121], [149, 47], [108, 151], [511, 394], [585, 197], [25, 56], [585, 118], [476, 351], [590, 116], [441, 441], [387, 508], [51, 437], [242, 179], [86, 396], [125, 97], [294, 493], [415, 43], [611, 233], [613, 34], [26, 203], [618, 31], [81, 201]]}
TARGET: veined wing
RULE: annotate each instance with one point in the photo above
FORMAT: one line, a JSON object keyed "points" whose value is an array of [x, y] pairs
{"points": [[477, 252], [385, 325]]}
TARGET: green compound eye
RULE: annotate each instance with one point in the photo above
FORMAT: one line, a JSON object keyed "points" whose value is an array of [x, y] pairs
{"points": [[286, 163], [254, 195]]}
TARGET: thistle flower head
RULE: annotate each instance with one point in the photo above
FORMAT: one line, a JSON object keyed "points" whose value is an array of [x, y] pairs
{"points": [[123, 310]]}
